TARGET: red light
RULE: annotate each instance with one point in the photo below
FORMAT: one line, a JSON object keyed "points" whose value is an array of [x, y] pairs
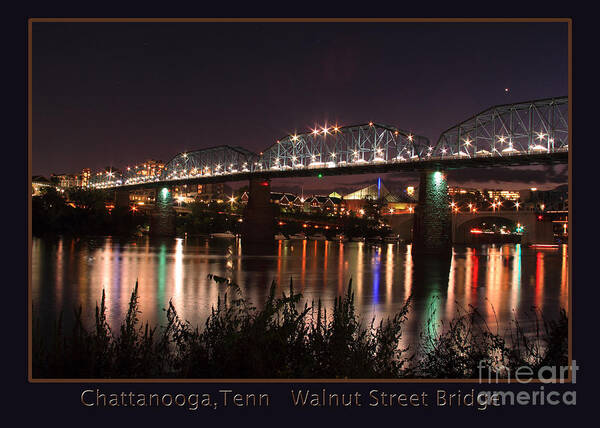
{"points": [[476, 231], [264, 183], [540, 217]]}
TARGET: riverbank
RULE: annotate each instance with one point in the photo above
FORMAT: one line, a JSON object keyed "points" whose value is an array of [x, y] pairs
{"points": [[288, 338]]}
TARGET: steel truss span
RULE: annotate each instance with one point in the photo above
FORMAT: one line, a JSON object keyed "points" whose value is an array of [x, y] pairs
{"points": [[533, 127], [369, 143], [532, 132]]}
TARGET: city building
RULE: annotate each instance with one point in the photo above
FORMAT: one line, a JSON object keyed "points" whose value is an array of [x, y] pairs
{"points": [[150, 168], [324, 204], [388, 202], [556, 199], [86, 174], [285, 200], [213, 192], [143, 196], [467, 199], [457, 191], [288, 202], [65, 181], [502, 195]]}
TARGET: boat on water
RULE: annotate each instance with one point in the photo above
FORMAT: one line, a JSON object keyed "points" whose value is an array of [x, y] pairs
{"points": [[300, 236], [317, 237], [341, 237], [222, 235], [280, 237], [358, 239], [392, 238]]}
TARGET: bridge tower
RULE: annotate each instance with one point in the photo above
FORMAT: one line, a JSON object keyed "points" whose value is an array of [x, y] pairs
{"points": [[432, 224], [258, 230], [162, 216]]}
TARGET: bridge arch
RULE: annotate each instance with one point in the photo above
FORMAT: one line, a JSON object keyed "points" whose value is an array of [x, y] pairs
{"points": [[343, 146], [211, 161], [526, 128]]}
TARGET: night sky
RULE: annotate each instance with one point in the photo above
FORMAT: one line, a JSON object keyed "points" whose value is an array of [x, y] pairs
{"points": [[120, 93]]}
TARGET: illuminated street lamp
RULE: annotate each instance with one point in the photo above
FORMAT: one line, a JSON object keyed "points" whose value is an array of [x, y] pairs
{"points": [[517, 206], [470, 207], [494, 206]]}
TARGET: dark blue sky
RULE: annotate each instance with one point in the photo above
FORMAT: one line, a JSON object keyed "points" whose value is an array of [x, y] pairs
{"points": [[120, 93]]}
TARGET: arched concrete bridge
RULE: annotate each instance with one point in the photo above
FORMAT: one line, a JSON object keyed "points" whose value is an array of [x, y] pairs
{"points": [[534, 230]]}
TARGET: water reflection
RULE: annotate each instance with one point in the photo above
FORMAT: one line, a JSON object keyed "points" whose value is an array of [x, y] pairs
{"points": [[500, 281]]}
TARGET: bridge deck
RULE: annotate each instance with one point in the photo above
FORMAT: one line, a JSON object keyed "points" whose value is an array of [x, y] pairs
{"points": [[448, 163]]}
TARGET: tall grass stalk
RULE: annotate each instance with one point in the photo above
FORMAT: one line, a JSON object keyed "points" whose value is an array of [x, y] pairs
{"points": [[287, 339]]}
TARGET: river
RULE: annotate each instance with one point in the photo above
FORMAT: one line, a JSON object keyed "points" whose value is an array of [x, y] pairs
{"points": [[504, 282]]}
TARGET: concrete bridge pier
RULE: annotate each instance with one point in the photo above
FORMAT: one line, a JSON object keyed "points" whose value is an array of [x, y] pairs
{"points": [[258, 229], [432, 223], [162, 216], [121, 198]]}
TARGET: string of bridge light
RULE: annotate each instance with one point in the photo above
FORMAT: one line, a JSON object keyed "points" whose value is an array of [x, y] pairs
{"points": [[467, 142], [219, 169]]}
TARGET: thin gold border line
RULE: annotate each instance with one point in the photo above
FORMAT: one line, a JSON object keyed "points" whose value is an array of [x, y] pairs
{"points": [[294, 380], [30, 21], [284, 20], [570, 194], [29, 214]]}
